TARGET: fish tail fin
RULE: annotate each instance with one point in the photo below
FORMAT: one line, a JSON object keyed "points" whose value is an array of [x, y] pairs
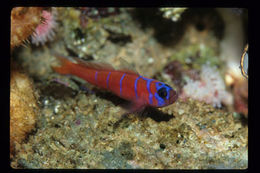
{"points": [[65, 67]]}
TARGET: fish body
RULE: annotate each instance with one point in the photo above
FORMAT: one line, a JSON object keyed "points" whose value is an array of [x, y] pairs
{"points": [[124, 83]]}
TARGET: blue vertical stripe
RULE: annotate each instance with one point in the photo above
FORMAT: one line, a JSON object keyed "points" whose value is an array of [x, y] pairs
{"points": [[160, 100], [108, 78], [136, 80], [148, 89], [121, 80], [96, 74]]}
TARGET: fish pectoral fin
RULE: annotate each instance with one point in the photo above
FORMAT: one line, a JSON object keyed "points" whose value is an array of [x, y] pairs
{"points": [[131, 107], [135, 107]]}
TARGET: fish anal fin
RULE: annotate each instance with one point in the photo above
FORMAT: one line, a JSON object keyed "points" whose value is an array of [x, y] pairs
{"points": [[135, 107]]}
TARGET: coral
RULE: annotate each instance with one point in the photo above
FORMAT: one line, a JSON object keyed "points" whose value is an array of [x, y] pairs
{"points": [[23, 109], [45, 30], [210, 88], [23, 22], [172, 13]]}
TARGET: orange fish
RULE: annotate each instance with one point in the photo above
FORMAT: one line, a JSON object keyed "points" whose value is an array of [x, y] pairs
{"points": [[125, 83]]}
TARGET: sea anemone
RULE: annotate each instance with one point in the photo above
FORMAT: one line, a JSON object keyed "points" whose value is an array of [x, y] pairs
{"points": [[24, 20], [45, 30], [210, 88]]}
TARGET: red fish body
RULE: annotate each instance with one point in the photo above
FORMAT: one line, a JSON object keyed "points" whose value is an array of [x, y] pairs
{"points": [[124, 83]]}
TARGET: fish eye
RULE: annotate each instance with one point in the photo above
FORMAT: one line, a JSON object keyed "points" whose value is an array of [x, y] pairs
{"points": [[162, 92]]}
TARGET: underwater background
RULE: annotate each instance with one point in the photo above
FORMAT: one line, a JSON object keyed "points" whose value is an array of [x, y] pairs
{"points": [[61, 121]]}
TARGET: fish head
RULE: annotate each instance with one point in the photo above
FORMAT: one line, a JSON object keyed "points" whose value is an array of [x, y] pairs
{"points": [[165, 95]]}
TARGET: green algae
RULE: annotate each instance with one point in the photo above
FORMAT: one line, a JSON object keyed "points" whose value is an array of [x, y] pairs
{"points": [[197, 55]]}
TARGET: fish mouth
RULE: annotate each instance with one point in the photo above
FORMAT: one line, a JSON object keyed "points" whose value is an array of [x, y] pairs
{"points": [[174, 97]]}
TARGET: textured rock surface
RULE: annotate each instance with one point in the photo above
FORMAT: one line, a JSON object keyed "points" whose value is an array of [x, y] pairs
{"points": [[23, 109], [87, 132]]}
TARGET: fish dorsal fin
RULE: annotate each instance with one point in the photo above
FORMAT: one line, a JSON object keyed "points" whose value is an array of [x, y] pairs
{"points": [[89, 64], [95, 64], [126, 67]]}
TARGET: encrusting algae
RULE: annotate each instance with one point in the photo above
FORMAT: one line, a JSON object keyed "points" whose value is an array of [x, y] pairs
{"points": [[23, 109]]}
